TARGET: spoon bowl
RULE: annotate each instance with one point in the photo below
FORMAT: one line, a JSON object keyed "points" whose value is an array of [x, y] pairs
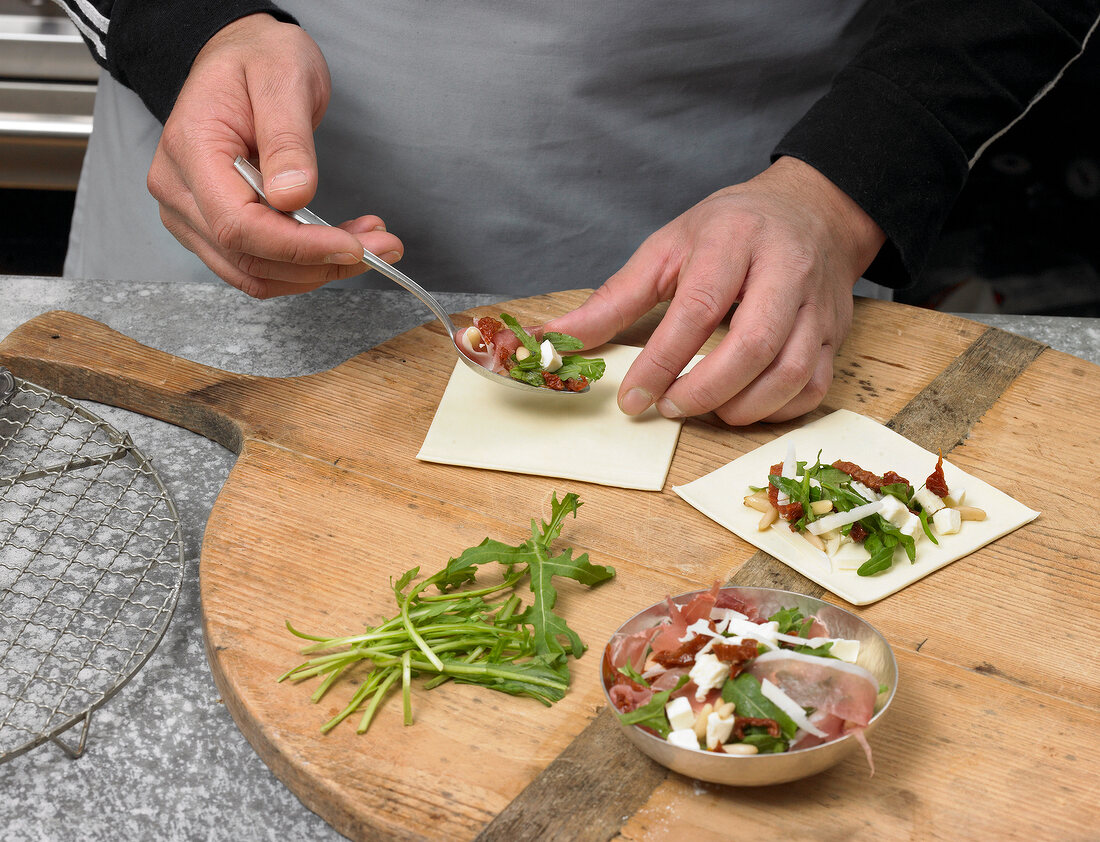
{"points": [[308, 217]]}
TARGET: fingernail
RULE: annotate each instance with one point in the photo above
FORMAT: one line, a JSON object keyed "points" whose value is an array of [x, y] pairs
{"points": [[287, 180], [636, 401], [391, 256], [668, 409], [378, 228], [343, 258]]}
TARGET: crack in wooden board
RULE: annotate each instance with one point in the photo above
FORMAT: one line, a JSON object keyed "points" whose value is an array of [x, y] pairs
{"points": [[600, 780]]}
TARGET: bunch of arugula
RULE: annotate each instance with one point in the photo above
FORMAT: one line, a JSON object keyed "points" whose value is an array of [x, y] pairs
{"points": [[472, 635], [835, 485], [529, 370]]}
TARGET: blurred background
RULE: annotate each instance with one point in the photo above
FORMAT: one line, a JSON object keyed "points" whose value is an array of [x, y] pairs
{"points": [[1024, 237]]}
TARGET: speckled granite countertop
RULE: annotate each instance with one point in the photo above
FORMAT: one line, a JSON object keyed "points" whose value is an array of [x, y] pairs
{"points": [[164, 760]]}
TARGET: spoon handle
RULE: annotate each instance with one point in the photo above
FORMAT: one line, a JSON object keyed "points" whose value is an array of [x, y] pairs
{"points": [[308, 217]]}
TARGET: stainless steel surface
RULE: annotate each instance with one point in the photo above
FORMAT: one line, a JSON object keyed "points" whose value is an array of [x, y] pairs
{"points": [[91, 565], [875, 655], [49, 110], [47, 94], [308, 217], [41, 43]]}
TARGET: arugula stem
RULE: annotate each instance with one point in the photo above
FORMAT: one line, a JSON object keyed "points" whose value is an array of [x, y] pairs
{"points": [[406, 686], [413, 633], [509, 582], [379, 694], [324, 686], [365, 689]]}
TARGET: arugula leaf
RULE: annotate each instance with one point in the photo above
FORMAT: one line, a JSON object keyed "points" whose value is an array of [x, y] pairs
{"points": [[563, 341], [902, 490], [633, 675], [526, 340], [748, 700], [828, 475], [822, 651], [791, 621], [575, 366], [530, 377], [765, 743], [881, 547], [923, 515], [548, 627]]}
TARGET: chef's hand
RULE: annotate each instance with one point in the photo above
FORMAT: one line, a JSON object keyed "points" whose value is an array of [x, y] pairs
{"points": [[787, 246], [258, 86]]}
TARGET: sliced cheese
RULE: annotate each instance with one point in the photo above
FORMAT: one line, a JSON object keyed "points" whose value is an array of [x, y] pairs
{"points": [[839, 519], [790, 471]]}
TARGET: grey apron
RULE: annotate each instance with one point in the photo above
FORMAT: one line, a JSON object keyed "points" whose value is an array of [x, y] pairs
{"points": [[515, 146]]}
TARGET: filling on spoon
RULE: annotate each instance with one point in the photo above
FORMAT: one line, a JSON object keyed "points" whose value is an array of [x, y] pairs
{"points": [[507, 349]]}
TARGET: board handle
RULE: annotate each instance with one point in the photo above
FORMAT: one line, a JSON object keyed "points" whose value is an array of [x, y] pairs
{"points": [[84, 359]]}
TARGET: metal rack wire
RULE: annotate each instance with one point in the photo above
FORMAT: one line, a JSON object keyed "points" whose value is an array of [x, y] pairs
{"points": [[91, 565]]}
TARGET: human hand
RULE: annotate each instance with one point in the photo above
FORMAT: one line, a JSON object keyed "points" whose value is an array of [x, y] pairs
{"points": [[258, 86], [787, 247]]}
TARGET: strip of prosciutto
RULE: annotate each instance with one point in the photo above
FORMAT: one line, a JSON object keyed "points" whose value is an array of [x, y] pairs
{"points": [[842, 695], [829, 686], [494, 350]]}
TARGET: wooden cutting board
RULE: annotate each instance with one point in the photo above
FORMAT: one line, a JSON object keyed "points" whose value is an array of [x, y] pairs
{"points": [[999, 687]]}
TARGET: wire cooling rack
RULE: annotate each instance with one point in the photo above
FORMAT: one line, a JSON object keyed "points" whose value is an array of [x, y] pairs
{"points": [[91, 564]]}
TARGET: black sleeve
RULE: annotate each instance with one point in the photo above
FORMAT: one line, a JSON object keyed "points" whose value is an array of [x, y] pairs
{"points": [[149, 45], [937, 82]]}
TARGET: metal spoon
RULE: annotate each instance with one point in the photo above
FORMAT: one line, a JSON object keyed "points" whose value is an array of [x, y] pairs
{"points": [[308, 217]]}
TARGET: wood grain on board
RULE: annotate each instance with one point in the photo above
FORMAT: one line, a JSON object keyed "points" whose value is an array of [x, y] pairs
{"points": [[327, 502]]}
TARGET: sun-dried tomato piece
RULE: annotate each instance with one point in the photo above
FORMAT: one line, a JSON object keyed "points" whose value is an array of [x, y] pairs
{"points": [[740, 723], [489, 328], [872, 481], [893, 478], [684, 654], [858, 533], [936, 482], [552, 381], [576, 384], [737, 655]]}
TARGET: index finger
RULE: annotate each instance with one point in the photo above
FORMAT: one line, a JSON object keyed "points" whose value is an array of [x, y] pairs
{"points": [[239, 221], [708, 286], [761, 330]]}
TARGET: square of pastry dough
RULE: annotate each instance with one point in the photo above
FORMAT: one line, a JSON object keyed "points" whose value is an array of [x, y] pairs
{"points": [[583, 437], [854, 438]]}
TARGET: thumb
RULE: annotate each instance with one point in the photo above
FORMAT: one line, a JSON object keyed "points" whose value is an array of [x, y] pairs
{"points": [[284, 140]]}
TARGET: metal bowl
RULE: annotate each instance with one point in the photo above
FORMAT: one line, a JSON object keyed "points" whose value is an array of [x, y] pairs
{"points": [[875, 655]]}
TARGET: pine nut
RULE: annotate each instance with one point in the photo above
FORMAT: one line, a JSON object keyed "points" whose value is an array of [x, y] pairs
{"points": [[700, 726], [522, 353], [726, 711], [768, 518], [970, 512], [739, 748], [474, 338], [814, 540], [821, 507], [758, 501]]}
